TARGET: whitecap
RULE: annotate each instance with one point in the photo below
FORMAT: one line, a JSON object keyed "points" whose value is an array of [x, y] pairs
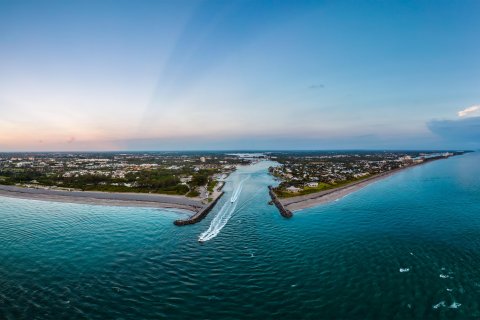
{"points": [[404, 269], [455, 305], [444, 276], [449, 290], [440, 304]]}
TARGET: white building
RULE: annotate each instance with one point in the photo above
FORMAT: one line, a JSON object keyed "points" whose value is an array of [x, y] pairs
{"points": [[293, 189]]}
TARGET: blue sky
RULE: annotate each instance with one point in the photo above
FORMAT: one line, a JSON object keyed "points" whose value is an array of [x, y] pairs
{"points": [[135, 75]]}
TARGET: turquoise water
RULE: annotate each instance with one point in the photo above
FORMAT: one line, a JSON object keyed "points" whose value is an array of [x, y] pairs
{"points": [[340, 260]]}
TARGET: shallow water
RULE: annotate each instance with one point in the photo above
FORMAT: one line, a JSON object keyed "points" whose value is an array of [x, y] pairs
{"points": [[404, 247]]}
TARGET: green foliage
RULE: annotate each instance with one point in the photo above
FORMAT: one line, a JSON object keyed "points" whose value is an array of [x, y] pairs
{"points": [[193, 193], [147, 181], [282, 193], [199, 179], [211, 185]]}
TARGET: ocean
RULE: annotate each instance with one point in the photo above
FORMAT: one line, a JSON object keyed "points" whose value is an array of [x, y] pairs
{"points": [[406, 247]]}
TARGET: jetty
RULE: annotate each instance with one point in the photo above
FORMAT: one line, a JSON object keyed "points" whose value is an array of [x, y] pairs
{"points": [[201, 214], [283, 211]]}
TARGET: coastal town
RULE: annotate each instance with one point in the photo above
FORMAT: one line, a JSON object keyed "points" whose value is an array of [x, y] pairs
{"points": [[302, 173], [193, 180], [198, 175], [172, 173]]}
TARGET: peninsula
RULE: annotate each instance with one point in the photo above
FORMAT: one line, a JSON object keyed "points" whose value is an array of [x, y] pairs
{"points": [[310, 179]]}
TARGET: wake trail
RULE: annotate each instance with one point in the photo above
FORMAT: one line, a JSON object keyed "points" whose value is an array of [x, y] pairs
{"points": [[222, 217], [218, 222], [238, 190]]}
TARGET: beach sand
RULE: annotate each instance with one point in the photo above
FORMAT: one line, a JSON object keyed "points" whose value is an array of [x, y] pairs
{"points": [[104, 198]]}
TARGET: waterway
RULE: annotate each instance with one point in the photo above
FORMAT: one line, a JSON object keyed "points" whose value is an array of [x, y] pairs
{"points": [[406, 247]]}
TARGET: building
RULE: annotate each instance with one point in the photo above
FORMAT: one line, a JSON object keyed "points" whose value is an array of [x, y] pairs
{"points": [[293, 189]]}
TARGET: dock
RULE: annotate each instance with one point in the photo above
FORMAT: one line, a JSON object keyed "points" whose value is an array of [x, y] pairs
{"points": [[283, 211], [200, 215]]}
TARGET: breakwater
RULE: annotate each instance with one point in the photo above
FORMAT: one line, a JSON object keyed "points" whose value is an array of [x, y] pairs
{"points": [[283, 211], [200, 215]]}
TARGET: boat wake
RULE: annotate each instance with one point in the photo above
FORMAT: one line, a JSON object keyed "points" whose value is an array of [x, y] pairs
{"points": [[218, 222], [238, 190], [222, 217]]}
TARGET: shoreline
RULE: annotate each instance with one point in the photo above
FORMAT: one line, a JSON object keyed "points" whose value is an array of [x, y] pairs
{"points": [[146, 200], [314, 199]]}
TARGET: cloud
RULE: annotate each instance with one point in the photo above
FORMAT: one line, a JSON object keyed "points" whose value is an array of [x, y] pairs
{"points": [[316, 86], [469, 111], [462, 131], [71, 140]]}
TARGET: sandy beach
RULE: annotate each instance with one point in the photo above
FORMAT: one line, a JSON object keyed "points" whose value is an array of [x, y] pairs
{"points": [[104, 198], [314, 199]]}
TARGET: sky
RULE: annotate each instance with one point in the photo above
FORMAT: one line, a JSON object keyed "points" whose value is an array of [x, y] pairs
{"points": [[223, 75]]}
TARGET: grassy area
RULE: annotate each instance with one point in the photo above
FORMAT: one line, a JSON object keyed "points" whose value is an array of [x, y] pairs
{"points": [[211, 185], [321, 187], [193, 194]]}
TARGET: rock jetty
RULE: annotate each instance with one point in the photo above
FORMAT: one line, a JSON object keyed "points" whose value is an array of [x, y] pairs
{"points": [[283, 211], [200, 215]]}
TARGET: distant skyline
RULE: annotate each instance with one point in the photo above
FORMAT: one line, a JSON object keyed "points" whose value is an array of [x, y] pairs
{"points": [[179, 75]]}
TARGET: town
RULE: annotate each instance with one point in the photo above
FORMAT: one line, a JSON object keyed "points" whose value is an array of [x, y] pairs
{"points": [[197, 175], [304, 173], [188, 173]]}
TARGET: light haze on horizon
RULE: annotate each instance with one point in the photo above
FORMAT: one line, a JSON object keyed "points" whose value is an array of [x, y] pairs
{"points": [[176, 75]]}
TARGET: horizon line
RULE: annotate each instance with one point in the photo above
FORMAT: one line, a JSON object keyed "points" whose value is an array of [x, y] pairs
{"points": [[235, 150]]}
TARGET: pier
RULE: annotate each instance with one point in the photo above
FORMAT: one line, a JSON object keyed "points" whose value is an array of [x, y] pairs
{"points": [[283, 211], [200, 215]]}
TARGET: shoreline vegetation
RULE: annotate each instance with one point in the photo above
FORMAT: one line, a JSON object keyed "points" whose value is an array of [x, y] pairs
{"points": [[197, 207], [187, 181], [295, 203], [191, 174]]}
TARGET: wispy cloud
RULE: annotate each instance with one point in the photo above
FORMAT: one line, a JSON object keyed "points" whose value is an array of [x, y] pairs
{"points": [[468, 111]]}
